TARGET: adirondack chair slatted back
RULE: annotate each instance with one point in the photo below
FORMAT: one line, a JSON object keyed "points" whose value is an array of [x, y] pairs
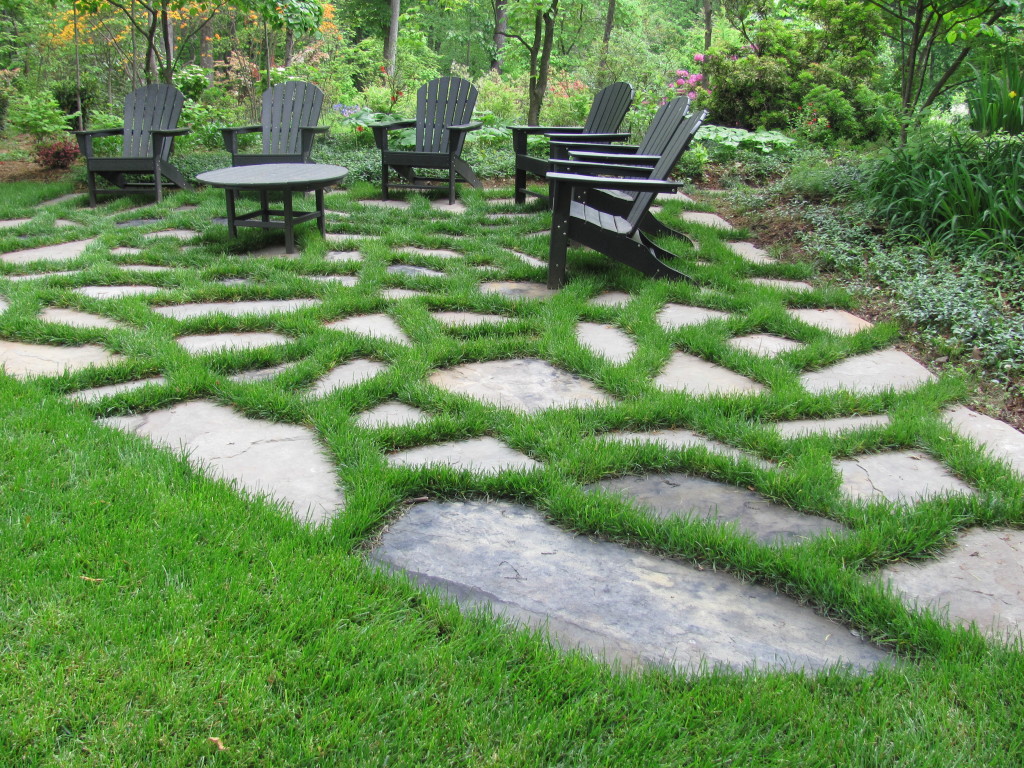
{"points": [[287, 108], [440, 103], [151, 107], [676, 146], [609, 107], [663, 127]]}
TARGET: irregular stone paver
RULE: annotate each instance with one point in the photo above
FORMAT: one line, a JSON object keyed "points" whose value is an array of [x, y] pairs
{"points": [[764, 344], [391, 414], [221, 342], [145, 268], [11, 223], [116, 291], [533, 262], [98, 393], [441, 253], [234, 308], [41, 275], [136, 222], [979, 581], [873, 372], [907, 476], [346, 280], [24, 360], [783, 285], [234, 281], [59, 200], [507, 215], [518, 290], [3, 305], [707, 219], [682, 438], [396, 294], [65, 223], [675, 196], [411, 271], [611, 299], [59, 252], [607, 341], [125, 251], [400, 205], [528, 385], [346, 375], [484, 455], [344, 256], [687, 373], [282, 460], [617, 603], [261, 374], [679, 495], [378, 326], [801, 427], [442, 206], [998, 438], [835, 320], [465, 319], [75, 318], [180, 234], [276, 251], [750, 252], [673, 316], [343, 238]]}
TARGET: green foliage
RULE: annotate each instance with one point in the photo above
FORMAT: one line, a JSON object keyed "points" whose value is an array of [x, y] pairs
{"points": [[747, 91], [39, 116], [192, 80], [996, 102], [723, 141], [206, 121], [66, 94], [56, 154]]}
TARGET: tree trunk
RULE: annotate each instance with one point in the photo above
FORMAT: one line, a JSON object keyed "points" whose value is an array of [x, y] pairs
{"points": [[609, 24], [289, 46], [540, 60], [167, 30], [709, 22], [206, 50], [500, 28], [391, 44]]}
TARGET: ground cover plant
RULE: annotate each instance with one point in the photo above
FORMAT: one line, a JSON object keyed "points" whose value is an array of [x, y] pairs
{"points": [[153, 613]]}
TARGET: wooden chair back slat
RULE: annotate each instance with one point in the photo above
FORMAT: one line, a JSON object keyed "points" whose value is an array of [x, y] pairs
{"points": [[609, 107], [149, 108], [440, 103], [663, 127], [287, 107]]}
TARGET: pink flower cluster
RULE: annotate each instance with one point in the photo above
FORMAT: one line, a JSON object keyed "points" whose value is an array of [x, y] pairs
{"points": [[685, 81]]}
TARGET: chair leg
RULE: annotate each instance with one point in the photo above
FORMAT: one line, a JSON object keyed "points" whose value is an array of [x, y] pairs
{"points": [[520, 193], [559, 236], [90, 179], [451, 183], [652, 226], [158, 180], [384, 181]]}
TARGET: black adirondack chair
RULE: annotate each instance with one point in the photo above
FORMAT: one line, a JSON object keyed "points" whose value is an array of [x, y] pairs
{"points": [[150, 124], [444, 109], [602, 125], [583, 214], [291, 112]]}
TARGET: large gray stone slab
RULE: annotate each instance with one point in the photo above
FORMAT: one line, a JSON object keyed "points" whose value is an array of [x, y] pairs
{"points": [[750, 252], [12, 223], [611, 299], [533, 262], [897, 476], [234, 308], [397, 294], [24, 360], [145, 268], [802, 427], [124, 250], [75, 318], [518, 290], [443, 206], [178, 234], [706, 219], [606, 341], [683, 496], [688, 373], [441, 253], [400, 205], [276, 251], [764, 344], [41, 275], [59, 252], [344, 256], [836, 320], [783, 285], [467, 319], [873, 372], [411, 271], [528, 385], [59, 200], [98, 393], [484, 455], [391, 414], [999, 439], [346, 238], [116, 291], [204, 343], [346, 375], [377, 326], [261, 374], [619, 604], [682, 438], [346, 280], [3, 305], [979, 581], [283, 461], [673, 316]]}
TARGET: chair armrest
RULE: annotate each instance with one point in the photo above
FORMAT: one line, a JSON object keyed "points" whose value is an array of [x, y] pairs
{"points": [[612, 157], [319, 130], [231, 136], [466, 127], [533, 130], [611, 169], [171, 131], [242, 129], [395, 124], [85, 138], [616, 149], [590, 138], [307, 135], [603, 182]]}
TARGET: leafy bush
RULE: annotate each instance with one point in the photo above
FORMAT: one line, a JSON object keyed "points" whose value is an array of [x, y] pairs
{"points": [[39, 116], [56, 154], [723, 142], [996, 103], [192, 80], [206, 121], [67, 94]]}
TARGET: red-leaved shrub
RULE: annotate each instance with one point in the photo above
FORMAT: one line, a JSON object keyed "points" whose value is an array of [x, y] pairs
{"points": [[56, 154]]}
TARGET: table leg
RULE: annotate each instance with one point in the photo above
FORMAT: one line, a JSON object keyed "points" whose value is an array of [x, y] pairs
{"points": [[265, 204], [232, 229], [289, 226], [320, 212]]}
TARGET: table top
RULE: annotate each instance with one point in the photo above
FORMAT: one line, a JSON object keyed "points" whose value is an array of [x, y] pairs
{"points": [[274, 176]]}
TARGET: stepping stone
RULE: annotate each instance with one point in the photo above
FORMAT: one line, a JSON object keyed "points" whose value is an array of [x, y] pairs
{"points": [[801, 427], [606, 341], [466, 319], [411, 271], [343, 238], [527, 385], [507, 215], [696, 376], [3, 305], [60, 252], [347, 375], [137, 222], [11, 223], [344, 256], [116, 291], [346, 280], [180, 234], [234, 281], [979, 581], [501, 201], [750, 252], [897, 476], [272, 252], [619, 604], [262, 457], [205, 343], [396, 294], [764, 344], [673, 316], [145, 268], [186, 207], [24, 360], [675, 439], [441, 253], [674, 196], [835, 320], [391, 414], [76, 319], [655, 209], [518, 290], [533, 262], [539, 233], [234, 308], [125, 251], [683, 496], [261, 374], [377, 326], [873, 372], [442, 206], [92, 395], [41, 275], [65, 223], [783, 285], [489, 269], [59, 200], [484, 455], [401, 205], [999, 439], [706, 219], [612, 299]]}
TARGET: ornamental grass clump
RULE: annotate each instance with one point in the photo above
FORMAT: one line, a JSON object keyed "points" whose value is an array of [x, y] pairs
{"points": [[997, 101]]}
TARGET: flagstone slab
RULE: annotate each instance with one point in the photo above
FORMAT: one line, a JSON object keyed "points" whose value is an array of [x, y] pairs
{"points": [[673, 316], [897, 476], [616, 603], [999, 439], [750, 252], [347, 280], [400, 205], [507, 215], [346, 375], [441, 253], [532, 261], [518, 289], [41, 275], [798, 286], [276, 251], [283, 461], [261, 374], [442, 206], [205, 343], [706, 219], [116, 291], [466, 319], [483, 455], [696, 376], [528, 385], [611, 299], [137, 222], [179, 234], [802, 427], [98, 393], [606, 341], [24, 360], [411, 271], [397, 294], [872, 372], [663, 196], [835, 320], [124, 250], [234, 308], [145, 268], [76, 319], [3, 305], [678, 495], [683, 438], [764, 344], [979, 581], [391, 414], [58, 200], [344, 238], [378, 326], [65, 223], [344, 256], [11, 223], [59, 252]]}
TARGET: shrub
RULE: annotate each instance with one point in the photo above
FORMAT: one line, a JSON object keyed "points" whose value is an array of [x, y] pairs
{"points": [[996, 103], [192, 80], [39, 116], [826, 114], [67, 95], [56, 154]]}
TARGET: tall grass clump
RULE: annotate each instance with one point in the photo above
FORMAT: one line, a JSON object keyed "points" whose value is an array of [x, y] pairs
{"points": [[997, 101]]}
